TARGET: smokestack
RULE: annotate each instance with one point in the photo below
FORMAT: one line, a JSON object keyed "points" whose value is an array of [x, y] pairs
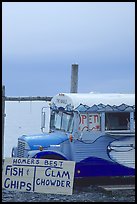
{"points": [[74, 79]]}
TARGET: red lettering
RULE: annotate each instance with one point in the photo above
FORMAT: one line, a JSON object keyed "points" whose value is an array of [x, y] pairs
{"points": [[95, 118], [90, 118], [83, 117]]}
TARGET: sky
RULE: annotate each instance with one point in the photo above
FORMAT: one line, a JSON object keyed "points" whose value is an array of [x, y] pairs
{"points": [[41, 41]]}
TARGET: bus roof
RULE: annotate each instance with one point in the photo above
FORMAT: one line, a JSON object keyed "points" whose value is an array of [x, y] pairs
{"points": [[90, 99]]}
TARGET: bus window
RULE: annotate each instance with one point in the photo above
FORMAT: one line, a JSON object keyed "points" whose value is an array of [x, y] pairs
{"points": [[117, 121]]}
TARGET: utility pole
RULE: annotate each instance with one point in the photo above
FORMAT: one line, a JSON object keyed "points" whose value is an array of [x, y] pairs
{"points": [[74, 78], [3, 118]]}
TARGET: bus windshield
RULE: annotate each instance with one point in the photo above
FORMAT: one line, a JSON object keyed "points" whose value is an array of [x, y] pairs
{"points": [[61, 121]]}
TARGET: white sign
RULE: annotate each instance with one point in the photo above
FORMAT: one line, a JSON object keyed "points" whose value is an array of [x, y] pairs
{"points": [[38, 175], [89, 121]]}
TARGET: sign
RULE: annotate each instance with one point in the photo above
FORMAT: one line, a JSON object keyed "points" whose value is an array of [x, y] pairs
{"points": [[90, 121], [38, 175]]}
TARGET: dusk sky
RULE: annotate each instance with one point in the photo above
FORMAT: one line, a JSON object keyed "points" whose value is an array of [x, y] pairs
{"points": [[41, 41]]}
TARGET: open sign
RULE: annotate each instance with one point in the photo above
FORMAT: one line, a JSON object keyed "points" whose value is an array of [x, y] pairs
{"points": [[89, 121]]}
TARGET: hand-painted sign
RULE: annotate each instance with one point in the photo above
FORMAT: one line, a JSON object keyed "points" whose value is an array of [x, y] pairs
{"points": [[89, 122], [38, 175]]}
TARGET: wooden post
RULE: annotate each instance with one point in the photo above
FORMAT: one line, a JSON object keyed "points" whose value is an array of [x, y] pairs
{"points": [[3, 116], [74, 78]]}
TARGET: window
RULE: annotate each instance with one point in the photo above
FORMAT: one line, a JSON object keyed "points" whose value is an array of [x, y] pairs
{"points": [[117, 121], [61, 121], [67, 122]]}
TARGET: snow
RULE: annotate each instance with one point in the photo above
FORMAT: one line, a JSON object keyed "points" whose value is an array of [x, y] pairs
{"points": [[22, 117]]}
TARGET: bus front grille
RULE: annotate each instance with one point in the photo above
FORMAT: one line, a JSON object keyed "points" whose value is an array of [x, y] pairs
{"points": [[21, 148]]}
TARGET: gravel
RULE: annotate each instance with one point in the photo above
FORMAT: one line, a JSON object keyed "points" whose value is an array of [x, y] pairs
{"points": [[90, 193]]}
